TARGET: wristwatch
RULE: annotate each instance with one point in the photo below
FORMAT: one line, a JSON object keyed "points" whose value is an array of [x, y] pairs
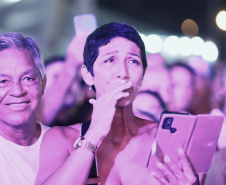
{"points": [[82, 142]]}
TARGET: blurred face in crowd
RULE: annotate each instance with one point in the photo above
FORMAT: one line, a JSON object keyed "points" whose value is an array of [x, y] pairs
{"points": [[158, 79], [119, 59], [52, 73], [21, 87], [182, 88], [148, 103]]}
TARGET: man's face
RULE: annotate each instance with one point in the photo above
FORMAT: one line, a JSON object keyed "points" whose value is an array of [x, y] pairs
{"points": [[21, 87]]}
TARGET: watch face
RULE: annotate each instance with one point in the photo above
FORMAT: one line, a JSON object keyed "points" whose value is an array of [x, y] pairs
{"points": [[77, 143], [82, 142]]}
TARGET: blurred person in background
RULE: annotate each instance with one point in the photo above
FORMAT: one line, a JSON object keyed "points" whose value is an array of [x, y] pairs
{"points": [[202, 87], [155, 59], [183, 81], [218, 98], [217, 172], [22, 84], [65, 89], [148, 105], [157, 79]]}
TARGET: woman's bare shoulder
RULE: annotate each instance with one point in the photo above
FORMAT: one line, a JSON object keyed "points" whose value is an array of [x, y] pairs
{"points": [[147, 125]]}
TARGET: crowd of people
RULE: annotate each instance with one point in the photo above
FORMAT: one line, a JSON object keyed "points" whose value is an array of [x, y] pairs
{"points": [[93, 115]]}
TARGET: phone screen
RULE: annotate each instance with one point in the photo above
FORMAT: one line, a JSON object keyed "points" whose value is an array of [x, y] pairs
{"points": [[85, 23]]}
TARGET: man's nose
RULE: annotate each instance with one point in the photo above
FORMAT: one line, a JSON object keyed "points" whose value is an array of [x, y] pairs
{"points": [[17, 89]]}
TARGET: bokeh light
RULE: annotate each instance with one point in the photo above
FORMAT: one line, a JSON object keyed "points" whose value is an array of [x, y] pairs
{"points": [[189, 28], [185, 46], [221, 20], [210, 52], [172, 45], [197, 45], [153, 43]]}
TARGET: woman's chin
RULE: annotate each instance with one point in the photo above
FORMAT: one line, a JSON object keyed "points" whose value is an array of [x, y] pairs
{"points": [[123, 102]]}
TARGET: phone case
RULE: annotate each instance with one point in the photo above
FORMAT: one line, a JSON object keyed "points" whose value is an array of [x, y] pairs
{"points": [[197, 135], [85, 23]]}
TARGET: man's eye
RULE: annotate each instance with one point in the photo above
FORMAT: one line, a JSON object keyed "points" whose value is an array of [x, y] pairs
{"points": [[29, 80], [4, 83]]}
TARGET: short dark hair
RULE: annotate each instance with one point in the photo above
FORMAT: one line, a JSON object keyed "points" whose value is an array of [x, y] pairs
{"points": [[179, 63], [17, 40], [54, 59], [103, 35], [156, 95]]}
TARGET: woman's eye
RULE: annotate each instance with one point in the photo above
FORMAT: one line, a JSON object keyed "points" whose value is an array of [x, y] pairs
{"points": [[109, 60], [134, 62]]}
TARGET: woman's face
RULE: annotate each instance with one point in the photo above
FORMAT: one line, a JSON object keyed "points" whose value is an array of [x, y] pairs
{"points": [[118, 60]]}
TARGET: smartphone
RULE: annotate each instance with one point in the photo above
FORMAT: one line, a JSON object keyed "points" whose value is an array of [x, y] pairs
{"points": [[85, 23], [196, 134]]}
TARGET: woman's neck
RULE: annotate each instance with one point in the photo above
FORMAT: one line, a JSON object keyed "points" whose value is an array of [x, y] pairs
{"points": [[124, 125]]}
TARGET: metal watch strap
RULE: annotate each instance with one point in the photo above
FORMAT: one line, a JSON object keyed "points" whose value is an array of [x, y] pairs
{"points": [[82, 142]]}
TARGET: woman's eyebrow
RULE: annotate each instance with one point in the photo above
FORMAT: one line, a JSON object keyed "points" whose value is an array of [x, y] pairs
{"points": [[110, 53], [134, 54]]}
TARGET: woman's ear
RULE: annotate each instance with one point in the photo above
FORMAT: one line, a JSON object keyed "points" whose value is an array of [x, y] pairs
{"points": [[141, 81], [43, 84], [87, 77]]}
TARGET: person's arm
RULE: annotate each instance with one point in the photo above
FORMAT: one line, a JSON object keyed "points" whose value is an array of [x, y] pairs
{"points": [[53, 99], [60, 166]]}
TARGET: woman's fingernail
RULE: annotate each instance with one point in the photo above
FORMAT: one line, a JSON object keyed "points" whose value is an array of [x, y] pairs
{"points": [[167, 159], [153, 173], [159, 165], [180, 151]]}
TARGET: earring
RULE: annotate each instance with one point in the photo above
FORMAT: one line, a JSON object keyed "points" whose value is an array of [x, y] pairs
{"points": [[90, 88]]}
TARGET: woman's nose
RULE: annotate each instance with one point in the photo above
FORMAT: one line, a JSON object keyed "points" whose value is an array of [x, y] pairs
{"points": [[122, 71]]}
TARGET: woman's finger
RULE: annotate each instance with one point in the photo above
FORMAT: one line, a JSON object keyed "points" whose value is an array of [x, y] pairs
{"points": [[187, 168], [161, 179], [178, 174], [167, 173], [92, 101]]}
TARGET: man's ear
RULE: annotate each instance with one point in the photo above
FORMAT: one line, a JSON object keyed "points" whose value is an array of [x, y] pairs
{"points": [[43, 84], [87, 77]]}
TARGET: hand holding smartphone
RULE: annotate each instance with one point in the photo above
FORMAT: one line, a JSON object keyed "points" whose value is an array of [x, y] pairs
{"points": [[196, 135], [84, 25]]}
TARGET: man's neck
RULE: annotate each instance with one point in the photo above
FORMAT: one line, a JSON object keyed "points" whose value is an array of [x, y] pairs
{"points": [[25, 135]]}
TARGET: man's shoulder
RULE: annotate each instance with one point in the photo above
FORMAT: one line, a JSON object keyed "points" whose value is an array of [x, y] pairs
{"points": [[63, 133]]}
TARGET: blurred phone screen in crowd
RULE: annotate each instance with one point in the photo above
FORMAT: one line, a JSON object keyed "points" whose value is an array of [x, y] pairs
{"points": [[85, 23]]}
